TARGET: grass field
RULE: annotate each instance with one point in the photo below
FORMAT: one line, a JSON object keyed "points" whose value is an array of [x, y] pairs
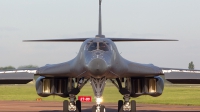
{"points": [[176, 95]]}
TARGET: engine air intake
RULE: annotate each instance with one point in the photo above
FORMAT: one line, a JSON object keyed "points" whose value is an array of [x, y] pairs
{"points": [[46, 86], [146, 86]]}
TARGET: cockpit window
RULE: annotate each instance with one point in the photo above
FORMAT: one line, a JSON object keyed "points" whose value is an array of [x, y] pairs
{"points": [[103, 46], [97, 46], [92, 46]]}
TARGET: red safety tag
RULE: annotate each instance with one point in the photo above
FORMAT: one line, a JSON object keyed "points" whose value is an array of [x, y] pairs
{"points": [[85, 98]]}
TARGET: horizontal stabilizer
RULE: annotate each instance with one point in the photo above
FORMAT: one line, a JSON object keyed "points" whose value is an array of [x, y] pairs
{"points": [[83, 39], [16, 77]]}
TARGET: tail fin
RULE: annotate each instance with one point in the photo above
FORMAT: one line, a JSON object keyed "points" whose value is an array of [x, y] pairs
{"points": [[100, 23]]}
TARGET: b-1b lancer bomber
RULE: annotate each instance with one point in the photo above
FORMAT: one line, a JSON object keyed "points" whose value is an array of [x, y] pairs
{"points": [[97, 61]]}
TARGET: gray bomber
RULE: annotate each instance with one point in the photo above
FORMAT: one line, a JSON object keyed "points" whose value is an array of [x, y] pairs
{"points": [[98, 60]]}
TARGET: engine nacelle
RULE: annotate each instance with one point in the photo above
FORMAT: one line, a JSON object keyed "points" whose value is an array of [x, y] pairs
{"points": [[152, 86], [46, 86]]}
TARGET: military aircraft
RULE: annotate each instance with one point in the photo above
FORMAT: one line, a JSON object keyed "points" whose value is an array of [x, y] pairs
{"points": [[97, 61]]}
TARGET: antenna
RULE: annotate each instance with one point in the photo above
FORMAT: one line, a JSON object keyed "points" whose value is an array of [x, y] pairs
{"points": [[100, 23]]}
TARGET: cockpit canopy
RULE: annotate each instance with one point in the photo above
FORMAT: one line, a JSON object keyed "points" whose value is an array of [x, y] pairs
{"points": [[97, 46]]}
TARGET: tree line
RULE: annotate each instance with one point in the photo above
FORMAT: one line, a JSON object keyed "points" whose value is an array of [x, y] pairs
{"points": [[20, 67], [191, 65]]}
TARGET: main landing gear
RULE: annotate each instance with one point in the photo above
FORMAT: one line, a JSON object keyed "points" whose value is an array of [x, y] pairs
{"points": [[98, 87], [74, 105], [126, 105], [68, 107]]}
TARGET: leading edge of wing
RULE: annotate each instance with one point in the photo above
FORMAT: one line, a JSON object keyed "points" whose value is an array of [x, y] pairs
{"points": [[83, 39], [138, 39], [178, 69], [56, 70], [59, 40]]}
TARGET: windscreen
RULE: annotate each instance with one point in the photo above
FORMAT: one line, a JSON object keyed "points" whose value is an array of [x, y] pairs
{"points": [[93, 46], [97, 46], [103, 46]]}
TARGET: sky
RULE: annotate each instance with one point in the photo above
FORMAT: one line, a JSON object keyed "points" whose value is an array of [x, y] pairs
{"points": [[53, 19]]}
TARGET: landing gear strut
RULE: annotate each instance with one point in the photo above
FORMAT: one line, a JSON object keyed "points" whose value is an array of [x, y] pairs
{"points": [[74, 105], [125, 105], [98, 87]]}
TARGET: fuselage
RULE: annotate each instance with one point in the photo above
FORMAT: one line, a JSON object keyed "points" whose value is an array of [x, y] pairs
{"points": [[98, 57]]}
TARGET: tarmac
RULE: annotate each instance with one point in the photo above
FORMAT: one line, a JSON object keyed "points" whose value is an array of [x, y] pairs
{"points": [[45, 106]]}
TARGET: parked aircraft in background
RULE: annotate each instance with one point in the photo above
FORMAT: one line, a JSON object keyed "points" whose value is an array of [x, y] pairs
{"points": [[97, 61]]}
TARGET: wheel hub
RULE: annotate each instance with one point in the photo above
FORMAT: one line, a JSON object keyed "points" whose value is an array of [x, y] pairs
{"points": [[72, 107], [126, 106]]}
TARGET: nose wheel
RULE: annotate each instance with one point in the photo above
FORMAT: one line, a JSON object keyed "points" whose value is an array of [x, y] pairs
{"points": [[100, 108]]}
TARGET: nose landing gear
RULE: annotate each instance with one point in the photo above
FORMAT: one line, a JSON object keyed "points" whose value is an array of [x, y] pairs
{"points": [[98, 87], [98, 109]]}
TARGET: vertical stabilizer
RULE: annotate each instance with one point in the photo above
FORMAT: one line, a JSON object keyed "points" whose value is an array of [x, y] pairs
{"points": [[100, 23]]}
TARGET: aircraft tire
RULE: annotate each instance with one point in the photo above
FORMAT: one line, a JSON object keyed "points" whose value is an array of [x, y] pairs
{"points": [[133, 106], [78, 106], [102, 108], [120, 104], [65, 105], [94, 108]]}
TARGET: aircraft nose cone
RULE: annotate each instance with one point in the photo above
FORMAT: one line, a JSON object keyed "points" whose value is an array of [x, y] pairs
{"points": [[97, 67]]}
